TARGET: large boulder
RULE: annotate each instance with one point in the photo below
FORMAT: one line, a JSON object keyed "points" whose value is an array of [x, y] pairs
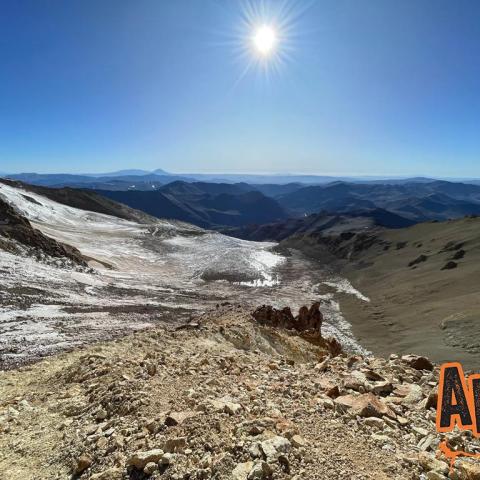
{"points": [[366, 405], [417, 362]]}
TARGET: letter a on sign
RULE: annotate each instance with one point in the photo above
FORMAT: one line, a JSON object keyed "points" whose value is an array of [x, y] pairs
{"points": [[455, 401]]}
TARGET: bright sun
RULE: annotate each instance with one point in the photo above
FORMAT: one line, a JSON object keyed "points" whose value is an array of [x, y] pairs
{"points": [[264, 40]]}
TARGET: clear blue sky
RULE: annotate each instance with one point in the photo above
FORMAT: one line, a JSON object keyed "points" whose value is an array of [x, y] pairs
{"points": [[369, 87]]}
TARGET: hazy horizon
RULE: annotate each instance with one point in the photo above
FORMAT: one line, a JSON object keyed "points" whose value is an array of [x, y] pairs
{"points": [[379, 88], [247, 173]]}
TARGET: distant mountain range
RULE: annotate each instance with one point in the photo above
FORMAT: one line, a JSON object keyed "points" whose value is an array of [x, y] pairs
{"points": [[140, 179], [129, 173], [214, 204], [209, 205], [136, 179], [117, 181], [417, 201]]}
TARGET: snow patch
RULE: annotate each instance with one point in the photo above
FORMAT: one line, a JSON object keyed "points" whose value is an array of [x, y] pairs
{"points": [[344, 286]]}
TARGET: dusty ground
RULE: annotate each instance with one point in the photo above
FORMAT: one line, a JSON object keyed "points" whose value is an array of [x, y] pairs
{"points": [[221, 398]]}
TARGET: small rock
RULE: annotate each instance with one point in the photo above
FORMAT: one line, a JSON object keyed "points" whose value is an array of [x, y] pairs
{"points": [[426, 443], [167, 459], [435, 476], [432, 400], [298, 441], [382, 388], [417, 362], [429, 462], [356, 381], [150, 467], [101, 442], [178, 418], [83, 463], [255, 451], [374, 422], [140, 459], [175, 445], [260, 471], [151, 369], [274, 446], [226, 405], [109, 474], [366, 405], [466, 469], [241, 471], [101, 415], [412, 394], [381, 438]]}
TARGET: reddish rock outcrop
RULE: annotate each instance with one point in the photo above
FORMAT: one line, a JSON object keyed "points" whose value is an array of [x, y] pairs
{"points": [[308, 319], [334, 347]]}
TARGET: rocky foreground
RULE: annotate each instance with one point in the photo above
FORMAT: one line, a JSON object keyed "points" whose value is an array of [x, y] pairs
{"points": [[228, 396]]}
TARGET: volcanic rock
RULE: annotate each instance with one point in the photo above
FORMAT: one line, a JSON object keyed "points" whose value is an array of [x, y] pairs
{"points": [[308, 319]]}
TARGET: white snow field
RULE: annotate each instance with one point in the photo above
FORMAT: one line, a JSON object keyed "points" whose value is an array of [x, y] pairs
{"points": [[141, 274]]}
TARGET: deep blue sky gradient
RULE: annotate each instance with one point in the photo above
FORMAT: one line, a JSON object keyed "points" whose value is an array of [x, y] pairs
{"points": [[380, 87]]}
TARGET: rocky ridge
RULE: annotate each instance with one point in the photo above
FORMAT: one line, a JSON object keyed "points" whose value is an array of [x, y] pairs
{"points": [[224, 397], [17, 235]]}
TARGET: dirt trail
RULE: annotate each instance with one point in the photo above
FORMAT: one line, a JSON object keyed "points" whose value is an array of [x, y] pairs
{"points": [[222, 398]]}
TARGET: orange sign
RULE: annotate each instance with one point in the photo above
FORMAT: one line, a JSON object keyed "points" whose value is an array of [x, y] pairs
{"points": [[458, 405], [458, 400]]}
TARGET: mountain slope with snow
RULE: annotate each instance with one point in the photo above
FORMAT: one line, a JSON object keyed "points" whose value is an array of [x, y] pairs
{"points": [[138, 274]]}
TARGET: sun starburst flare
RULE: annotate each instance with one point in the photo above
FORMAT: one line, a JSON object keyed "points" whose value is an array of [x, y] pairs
{"points": [[265, 40]]}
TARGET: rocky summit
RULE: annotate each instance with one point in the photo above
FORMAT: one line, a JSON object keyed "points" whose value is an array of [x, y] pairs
{"points": [[229, 395]]}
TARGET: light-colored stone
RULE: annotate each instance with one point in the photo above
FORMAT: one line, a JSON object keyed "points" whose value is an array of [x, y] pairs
{"points": [[366, 405], [298, 441], [140, 459], [467, 469], [260, 471], [241, 471], [430, 462], [374, 422], [435, 476], [226, 405], [150, 467], [275, 446], [109, 474], [175, 445], [178, 418]]}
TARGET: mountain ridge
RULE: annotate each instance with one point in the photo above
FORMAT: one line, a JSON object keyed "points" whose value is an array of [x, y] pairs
{"points": [[210, 207]]}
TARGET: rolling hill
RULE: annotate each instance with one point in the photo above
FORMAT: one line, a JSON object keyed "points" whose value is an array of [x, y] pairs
{"points": [[321, 224], [418, 201], [207, 205]]}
